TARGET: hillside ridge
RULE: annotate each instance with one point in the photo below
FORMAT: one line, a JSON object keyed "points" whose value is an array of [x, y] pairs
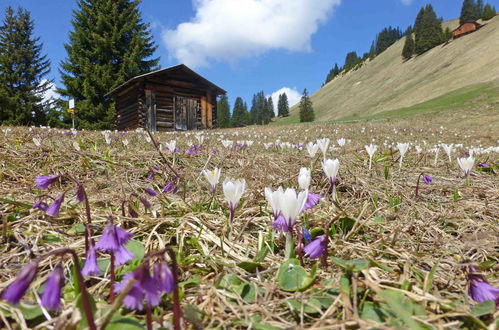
{"points": [[387, 82]]}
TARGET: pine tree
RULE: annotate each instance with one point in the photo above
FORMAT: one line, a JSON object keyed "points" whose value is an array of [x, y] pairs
{"points": [[109, 45], [470, 11], [387, 37], [223, 112], [488, 12], [239, 113], [408, 49], [306, 108], [351, 60], [270, 105], [22, 71], [479, 8], [283, 105], [428, 30]]}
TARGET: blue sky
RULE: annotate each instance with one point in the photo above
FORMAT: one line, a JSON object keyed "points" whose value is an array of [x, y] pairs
{"points": [[267, 45]]}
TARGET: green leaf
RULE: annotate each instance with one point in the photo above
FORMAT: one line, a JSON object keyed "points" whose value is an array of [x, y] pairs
{"points": [[317, 231], [484, 308], [229, 282], [401, 306], [486, 265], [379, 219], [429, 278], [370, 311], [136, 248], [250, 266], [79, 304], [353, 265], [293, 277], [249, 292], [346, 224], [30, 312], [374, 263], [194, 315], [308, 306], [124, 323]]}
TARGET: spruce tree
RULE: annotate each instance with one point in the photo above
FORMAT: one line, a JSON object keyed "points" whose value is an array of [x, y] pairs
{"points": [[488, 12], [470, 11], [22, 71], [223, 112], [306, 108], [351, 60], [239, 113], [283, 105], [428, 30], [408, 49], [109, 44], [270, 107]]}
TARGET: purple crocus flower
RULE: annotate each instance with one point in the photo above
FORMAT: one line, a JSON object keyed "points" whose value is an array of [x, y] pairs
{"points": [[151, 192], [146, 203], [480, 290], [279, 224], [427, 179], [51, 297], [80, 193], [483, 165], [312, 200], [16, 290], [163, 276], [113, 240], [54, 208], [145, 287], [91, 267], [315, 249], [122, 256], [40, 205], [171, 187], [44, 181]]}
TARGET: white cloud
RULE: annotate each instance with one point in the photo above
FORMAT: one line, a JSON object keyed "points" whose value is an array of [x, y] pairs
{"points": [[51, 93], [293, 97], [227, 30]]}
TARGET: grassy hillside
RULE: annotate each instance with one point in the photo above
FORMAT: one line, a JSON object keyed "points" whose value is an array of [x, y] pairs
{"points": [[440, 79]]}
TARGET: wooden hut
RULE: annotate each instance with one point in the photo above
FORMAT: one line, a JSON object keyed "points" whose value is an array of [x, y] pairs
{"points": [[172, 98], [465, 28]]}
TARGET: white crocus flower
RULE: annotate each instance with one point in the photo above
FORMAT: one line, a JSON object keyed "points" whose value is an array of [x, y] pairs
{"points": [[212, 177], [274, 200], [37, 141], [371, 149], [233, 190], [200, 138], [312, 149], [402, 147], [466, 164], [331, 168], [291, 205], [171, 145], [341, 142], [76, 146], [304, 178], [227, 143], [323, 145], [125, 143], [448, 150]]}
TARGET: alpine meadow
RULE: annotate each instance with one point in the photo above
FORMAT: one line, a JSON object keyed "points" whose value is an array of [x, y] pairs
{"points": [[256, 164]]}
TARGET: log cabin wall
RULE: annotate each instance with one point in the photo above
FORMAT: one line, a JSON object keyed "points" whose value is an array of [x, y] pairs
{"points": [[168, 99]]}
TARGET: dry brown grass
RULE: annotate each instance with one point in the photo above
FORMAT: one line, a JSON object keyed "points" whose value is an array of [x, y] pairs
{"points": [[413, 237]]}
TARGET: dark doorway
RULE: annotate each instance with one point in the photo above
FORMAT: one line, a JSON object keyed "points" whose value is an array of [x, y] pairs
{"points": [[186, 113]]}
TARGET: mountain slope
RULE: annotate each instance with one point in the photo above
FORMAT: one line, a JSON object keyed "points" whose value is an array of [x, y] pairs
{"points": [[388, 83]]}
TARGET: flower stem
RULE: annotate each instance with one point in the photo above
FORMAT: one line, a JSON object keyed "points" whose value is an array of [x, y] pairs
{"points": [[177, 311], [112, 279], [289, 244], [148, 317], [417, 184]]}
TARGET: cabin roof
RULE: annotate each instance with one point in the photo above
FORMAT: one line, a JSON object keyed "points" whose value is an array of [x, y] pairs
{"points": [[467, 22], [181, 67]]}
